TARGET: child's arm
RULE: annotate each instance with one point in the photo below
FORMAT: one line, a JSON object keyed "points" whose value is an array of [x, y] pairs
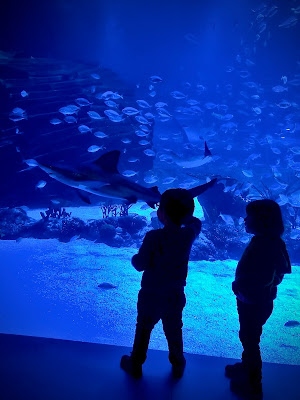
{"points": [[194, 224], [143, 258]]}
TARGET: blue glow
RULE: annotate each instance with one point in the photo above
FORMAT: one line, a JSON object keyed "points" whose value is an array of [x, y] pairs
{"points": [[181, 92]]}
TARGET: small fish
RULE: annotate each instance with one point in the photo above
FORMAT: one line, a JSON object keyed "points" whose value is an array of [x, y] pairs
{"points": [[129, 173], [31, 162], [144, 142], [55, 201], [145, 128], [125, 140], [284, 104], [149, 153], [160, 104], [133, 159], [292, 323], [168, 180], [275, 150], [113, 115], [283, 199], [109, 95], [16, 118], [152, 94], [55, 121], [257, 110], [41, 184], [18, 111], [178, 95], [149, 115], [130, 111], [192, 102], [94, 115], [83, 102], [210, 106], [248, 173], [289, 22], [84, 129], [95, 76], [155, 79], [163, 112], [227, 219], [150, 179], [106, 285], [141, 133], [143, 103], [111, 103], [279, 89], [295, 150], [24, 93], [244, 74], [70, 119], [94, 148], [100, 135], [69, 110], [141, 120]]}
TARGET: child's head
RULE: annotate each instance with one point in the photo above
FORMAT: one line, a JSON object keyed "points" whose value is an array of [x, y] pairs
{"points": [[264, 218], [176, 205]]}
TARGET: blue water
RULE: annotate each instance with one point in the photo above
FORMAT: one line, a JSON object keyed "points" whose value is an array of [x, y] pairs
{"points": [[154, 81]]}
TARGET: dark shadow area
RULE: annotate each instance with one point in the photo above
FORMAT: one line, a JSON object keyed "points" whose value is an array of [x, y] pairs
{"points": [[41, 368]]}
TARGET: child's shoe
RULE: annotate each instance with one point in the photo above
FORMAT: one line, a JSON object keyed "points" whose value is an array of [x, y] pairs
{"points": [[132, 367], [243, 387], [234, 369], [178, 369]]}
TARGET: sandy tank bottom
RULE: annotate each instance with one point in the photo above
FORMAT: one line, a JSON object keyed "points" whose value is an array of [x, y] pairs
{"points": [[86, 291]]}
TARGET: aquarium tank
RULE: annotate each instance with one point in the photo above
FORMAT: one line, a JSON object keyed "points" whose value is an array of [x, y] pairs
{"points": [[107, 104]]}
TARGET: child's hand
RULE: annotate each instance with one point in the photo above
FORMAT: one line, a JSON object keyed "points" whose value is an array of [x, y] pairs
{"points": [[189, 220]]}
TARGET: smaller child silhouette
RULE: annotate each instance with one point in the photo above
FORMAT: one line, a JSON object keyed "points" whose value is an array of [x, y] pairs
{"points": [[164, 256], [259, 271]]}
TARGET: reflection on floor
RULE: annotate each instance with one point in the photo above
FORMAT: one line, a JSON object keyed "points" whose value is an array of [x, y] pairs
{"points": [[43, 369]]}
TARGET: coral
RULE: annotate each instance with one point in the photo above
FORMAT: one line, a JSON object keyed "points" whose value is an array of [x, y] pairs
{"points": [[132, 223], [55, 213], [113, 210]]}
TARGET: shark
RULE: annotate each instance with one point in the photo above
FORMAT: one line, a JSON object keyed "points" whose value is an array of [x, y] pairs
{"points": [[102, 178], [195, 161]]}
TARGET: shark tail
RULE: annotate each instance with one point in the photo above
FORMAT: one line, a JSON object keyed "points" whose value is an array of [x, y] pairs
{"points": [[153, 203], [197, 190]]}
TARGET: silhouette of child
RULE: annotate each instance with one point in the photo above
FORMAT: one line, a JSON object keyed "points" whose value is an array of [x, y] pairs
{"points": [[259, 271], [163, 256]]}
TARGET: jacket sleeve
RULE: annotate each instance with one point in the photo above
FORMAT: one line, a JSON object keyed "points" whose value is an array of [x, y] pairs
{"points": [[261, 268], [143, 259], [194, 224], [255, 273]]}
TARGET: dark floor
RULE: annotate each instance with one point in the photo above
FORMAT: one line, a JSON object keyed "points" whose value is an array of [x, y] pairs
{"points": [[39, 368]]}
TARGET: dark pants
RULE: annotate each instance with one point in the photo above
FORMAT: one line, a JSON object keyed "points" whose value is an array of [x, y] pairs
{"points": [[153, 306], [252, 317]]}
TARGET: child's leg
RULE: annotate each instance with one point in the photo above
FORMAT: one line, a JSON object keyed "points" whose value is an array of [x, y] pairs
{"points": [[252, 317], [172, 324], [148, 316]]}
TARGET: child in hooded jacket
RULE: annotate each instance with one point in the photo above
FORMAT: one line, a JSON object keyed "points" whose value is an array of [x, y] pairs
{"points": [[260, 270]]}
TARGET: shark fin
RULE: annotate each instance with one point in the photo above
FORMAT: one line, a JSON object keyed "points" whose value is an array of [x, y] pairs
{"points": [[155, 189], [152, 203], [197, 190], [83, 197], [207, 152], [109, 161], [131, 200]]}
